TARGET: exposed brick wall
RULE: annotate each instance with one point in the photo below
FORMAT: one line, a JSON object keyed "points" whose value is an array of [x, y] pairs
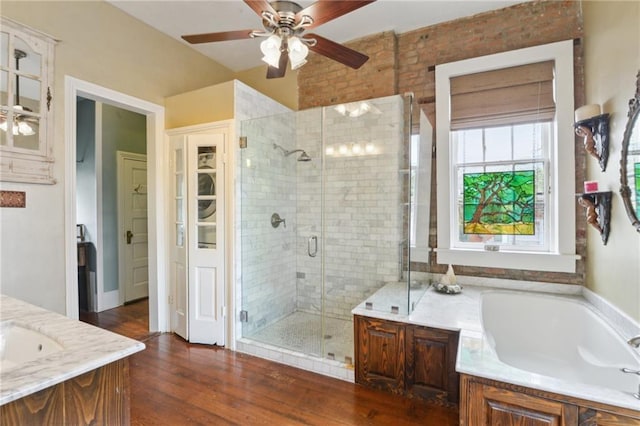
{"points": [[405, 63], [323, 81]]}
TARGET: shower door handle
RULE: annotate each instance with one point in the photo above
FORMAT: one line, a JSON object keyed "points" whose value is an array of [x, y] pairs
{"points": [[312, 240]]}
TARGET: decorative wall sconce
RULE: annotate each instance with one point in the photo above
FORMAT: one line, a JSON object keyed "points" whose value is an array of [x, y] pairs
{"points": [[593, 126], [598, 211]]}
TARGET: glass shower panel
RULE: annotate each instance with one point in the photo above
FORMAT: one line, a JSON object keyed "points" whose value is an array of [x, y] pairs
{"points": [[363, 229], [276, 264], [322, 223]]}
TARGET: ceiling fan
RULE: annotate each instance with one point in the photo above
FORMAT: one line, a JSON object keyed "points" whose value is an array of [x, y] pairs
{"points": [[284, 23]]}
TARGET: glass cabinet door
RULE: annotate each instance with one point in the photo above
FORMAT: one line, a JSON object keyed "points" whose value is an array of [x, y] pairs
{"points": [[180, 198], [206, 196]]}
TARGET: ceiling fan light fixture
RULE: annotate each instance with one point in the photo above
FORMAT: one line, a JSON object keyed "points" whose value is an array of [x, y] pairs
{"points": [[298, 52], [24, 129], [271, 50]]}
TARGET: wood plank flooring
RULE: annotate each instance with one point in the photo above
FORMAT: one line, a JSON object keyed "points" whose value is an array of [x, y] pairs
{"points": [[177, 383]]}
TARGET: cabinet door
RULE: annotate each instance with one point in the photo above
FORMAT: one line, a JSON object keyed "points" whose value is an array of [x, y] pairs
{"points": [[41, 408], [206, 238], [380, 354], [590, 417], [488, 405], [431, 364]]}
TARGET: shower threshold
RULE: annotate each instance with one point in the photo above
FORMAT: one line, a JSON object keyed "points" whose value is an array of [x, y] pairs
{"points": [[298, 340]]}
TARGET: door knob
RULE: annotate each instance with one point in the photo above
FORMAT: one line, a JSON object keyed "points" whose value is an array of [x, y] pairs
{"points": [[129, 236]]}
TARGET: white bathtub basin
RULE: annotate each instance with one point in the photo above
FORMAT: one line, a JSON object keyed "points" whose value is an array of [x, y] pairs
{"points": [[20, 344], [557, 337]]}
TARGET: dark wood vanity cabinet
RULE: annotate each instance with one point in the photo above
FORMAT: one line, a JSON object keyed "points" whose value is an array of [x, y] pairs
{"points": [[431, 364], [98, 397], [405, 359], [380, 356], [487, 405], [487, 402]]}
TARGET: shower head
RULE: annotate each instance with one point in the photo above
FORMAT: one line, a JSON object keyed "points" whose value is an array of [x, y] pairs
{"points": [[302, 157]]}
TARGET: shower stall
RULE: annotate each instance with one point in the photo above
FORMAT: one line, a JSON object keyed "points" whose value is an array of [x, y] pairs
{"points": [[323, 221]]}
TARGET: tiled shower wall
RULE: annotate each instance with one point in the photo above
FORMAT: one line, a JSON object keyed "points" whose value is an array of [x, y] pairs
{"points": [[362, 218]]}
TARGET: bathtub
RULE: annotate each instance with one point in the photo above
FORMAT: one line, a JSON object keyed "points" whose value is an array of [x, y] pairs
{"points": [[558, 337]]}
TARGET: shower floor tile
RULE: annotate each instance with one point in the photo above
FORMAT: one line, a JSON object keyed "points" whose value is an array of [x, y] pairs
{"points": [[302, 332]]}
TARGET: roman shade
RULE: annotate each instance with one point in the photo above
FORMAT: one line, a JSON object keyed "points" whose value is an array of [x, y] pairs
{"points": [[514, 95]]}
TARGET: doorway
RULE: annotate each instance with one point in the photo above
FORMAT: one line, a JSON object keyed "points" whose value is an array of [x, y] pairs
{"points": [[111, 194], [154, 122]]}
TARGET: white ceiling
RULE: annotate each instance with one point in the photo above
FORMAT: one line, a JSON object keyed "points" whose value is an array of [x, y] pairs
{"points": [[180, 17]]}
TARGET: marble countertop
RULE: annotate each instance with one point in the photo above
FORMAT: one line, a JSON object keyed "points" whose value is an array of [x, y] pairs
{"points": [[476, 357], [85, 348]]}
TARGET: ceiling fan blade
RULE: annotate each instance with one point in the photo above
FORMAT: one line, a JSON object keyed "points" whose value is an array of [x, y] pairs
{"points": [[273, 72], [260, 6], [223, 36], [337, 52], [324, 11]]}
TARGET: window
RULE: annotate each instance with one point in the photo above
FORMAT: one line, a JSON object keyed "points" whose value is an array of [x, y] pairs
{"points": [[500, 181], [26, 58], [505, 162]]}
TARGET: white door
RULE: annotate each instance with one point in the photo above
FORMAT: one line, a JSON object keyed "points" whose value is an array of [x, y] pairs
{"points": [[178, 255], [205, 241], [132, 226]]}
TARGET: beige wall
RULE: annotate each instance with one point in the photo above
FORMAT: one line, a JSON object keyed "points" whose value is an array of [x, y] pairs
{"points": [[206, 105], [100, 44], [612, 60], [215, 103]]}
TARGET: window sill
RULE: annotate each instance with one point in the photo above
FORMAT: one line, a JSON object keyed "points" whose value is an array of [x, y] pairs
{"points": [[546, 262]]}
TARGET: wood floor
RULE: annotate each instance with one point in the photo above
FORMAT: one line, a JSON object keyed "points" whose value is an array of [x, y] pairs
{"points": [[177, 383]]}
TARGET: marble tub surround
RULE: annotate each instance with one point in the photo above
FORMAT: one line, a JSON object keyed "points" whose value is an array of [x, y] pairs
{"points": [[84, 348], [476, 357]]}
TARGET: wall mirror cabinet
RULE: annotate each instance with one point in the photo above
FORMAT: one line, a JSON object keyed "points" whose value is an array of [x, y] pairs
{"points": [[630, 161], [26, 71]]}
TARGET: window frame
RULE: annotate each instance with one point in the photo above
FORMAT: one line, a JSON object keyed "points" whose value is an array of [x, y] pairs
{"points": [[26, 165], [561, 255]]}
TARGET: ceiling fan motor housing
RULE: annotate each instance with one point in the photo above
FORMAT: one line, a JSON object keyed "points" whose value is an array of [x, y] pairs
{"points": [[285, 21]]}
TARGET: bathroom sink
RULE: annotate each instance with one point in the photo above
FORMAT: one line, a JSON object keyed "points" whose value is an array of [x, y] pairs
{"points": [[20, 344]]}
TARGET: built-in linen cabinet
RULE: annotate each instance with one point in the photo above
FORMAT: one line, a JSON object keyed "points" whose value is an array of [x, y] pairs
{"points": [[406, 359], [197, 241]]}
